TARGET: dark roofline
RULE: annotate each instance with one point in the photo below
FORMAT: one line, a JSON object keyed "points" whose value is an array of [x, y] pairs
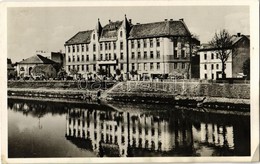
{"points": [[131, 38], [66, 44]]}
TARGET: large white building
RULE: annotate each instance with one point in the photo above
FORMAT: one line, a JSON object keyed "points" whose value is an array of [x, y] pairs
{"points": [[151, 49], [211, 65]]}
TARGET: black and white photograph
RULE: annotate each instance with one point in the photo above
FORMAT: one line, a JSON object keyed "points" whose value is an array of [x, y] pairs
{"points": [[130, 82]]}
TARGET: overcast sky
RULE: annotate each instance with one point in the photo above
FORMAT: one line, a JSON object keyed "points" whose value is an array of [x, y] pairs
{"points": [[39, 28]]}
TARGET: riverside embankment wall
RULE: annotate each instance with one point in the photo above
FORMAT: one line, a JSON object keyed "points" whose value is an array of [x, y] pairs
{"points": [[183, 93]]}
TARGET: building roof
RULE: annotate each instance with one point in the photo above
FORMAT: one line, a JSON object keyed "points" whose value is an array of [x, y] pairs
{"points": [[234, 39], [80, 37], [165, 28], [9, 61], [37, 59], [110, 30]]}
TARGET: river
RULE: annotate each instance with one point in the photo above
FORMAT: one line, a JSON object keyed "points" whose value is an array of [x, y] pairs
{"points": [[49, 129]]}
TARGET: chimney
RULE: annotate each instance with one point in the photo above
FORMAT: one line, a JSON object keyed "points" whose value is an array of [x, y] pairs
{"points": [[109, 21], [130, 21], [239, 34], [165, 19], [181, 19]]}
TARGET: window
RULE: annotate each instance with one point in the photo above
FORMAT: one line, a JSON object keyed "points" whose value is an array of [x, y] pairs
{"points": [[212, 66], [151, 54], [205, 56], [109, 46], [87, 58], [123, 139], [121, 56], [139, 66], [183, 66], [132, 44], [77, 48], [86, 47], [68, 49], [68, 67], [82, 67], [145, 55], [133, 66], [69, 59], [73, 58], [205, 66], [139, 55], [87, 68], [122, 66], [78, 67], [151, 66], [121, 33], [105, 46], [114, 44], [158, 66], [158, 42], [73, 67], [151, 42], [77, 58], [212, 76], [106, 57], [94, 57], [205, 76], [212, 56], [101, 46], [82, 57], [94, 36], [94, 47], [94, 67], [175, 65], [101, 56], [122, 128], [158, 54], [82, 48], [138, 43], [109, 56], [217, 55], [114, 56], [145, 43], [176, 54], [121, 45], [133, 55], [217, 66], [145, 66], [182, 54], [73, 48]]}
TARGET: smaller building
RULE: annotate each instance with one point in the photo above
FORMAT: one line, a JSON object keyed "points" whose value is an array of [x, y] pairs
{"points": [[10, 69], [211, 65], [25, 67]]}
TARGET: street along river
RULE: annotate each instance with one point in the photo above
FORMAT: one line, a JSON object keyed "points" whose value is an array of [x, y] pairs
{"points": [[49, 129]]}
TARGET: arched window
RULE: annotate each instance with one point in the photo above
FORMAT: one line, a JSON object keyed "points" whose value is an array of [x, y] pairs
{"points": [[121, 33]]}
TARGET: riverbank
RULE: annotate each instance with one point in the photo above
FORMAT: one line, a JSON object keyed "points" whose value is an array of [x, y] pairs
{"points": [[189, 94]]}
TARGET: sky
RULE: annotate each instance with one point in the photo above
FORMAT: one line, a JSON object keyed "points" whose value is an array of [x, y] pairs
{"points": [[48, 28]]}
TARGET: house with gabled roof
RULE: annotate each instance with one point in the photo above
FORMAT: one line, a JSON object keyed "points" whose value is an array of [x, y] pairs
{"points": [[210, 64], [25, 67], [152, 49]]}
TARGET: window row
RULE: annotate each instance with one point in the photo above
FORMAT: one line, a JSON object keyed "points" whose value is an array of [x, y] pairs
{"points": [[73, 59], [144, 66], [179, 55], [144, 43], [133, 56], [212, 56], [102, 46], [81, 67], [212, 66]]}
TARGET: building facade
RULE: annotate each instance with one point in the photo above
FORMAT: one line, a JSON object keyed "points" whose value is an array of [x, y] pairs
{"points": [[211, 65], [151, 49]]}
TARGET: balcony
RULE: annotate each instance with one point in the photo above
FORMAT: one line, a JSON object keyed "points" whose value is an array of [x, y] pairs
{"points": [[107, 62]]}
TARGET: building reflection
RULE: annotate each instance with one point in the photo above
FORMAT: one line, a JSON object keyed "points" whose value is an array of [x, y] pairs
{"points": [[123, 133]]}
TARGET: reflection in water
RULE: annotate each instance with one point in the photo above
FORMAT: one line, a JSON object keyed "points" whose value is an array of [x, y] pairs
{"points": [[138, 131]]}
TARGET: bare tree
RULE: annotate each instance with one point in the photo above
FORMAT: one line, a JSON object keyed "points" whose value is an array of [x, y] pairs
{"points": [[222, 44]]}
